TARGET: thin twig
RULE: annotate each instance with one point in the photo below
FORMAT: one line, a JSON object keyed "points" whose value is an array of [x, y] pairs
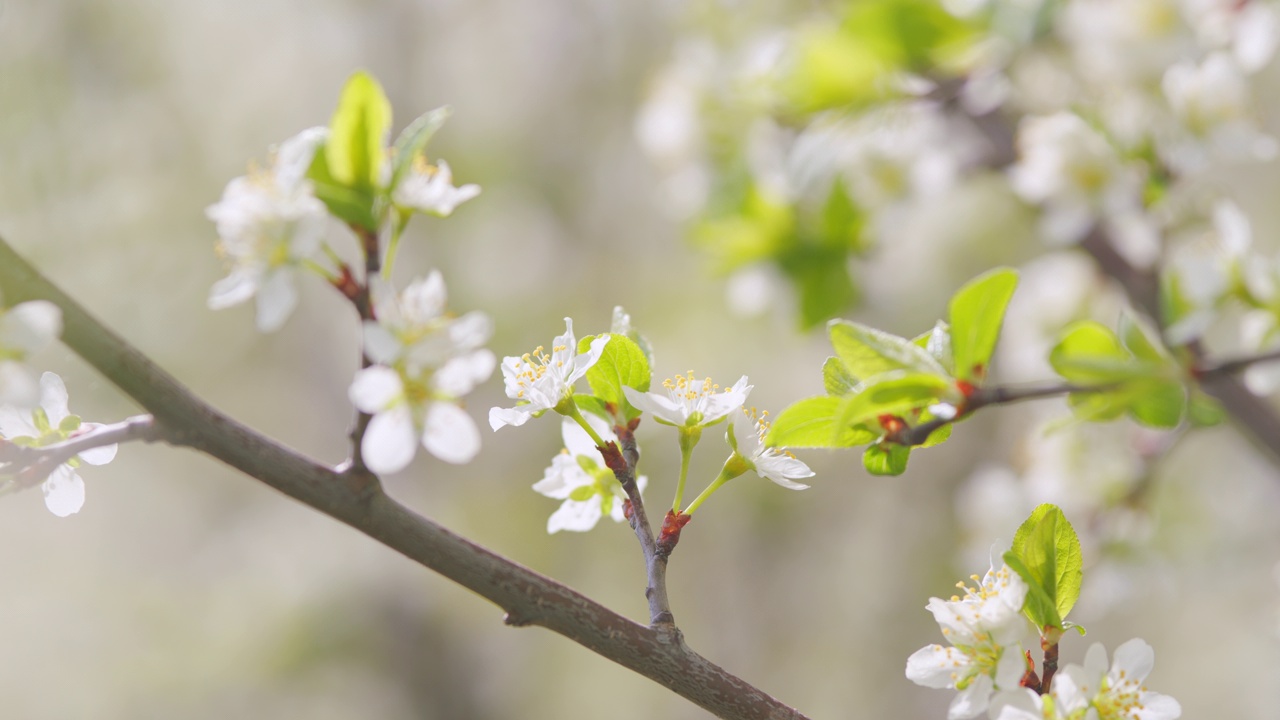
{"points": [[527, 597], [31, 465]]}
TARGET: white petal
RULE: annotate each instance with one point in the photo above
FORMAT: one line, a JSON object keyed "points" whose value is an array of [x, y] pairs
{"points": [[578, 442], [721, 404], [471, 330], [53, 398], [574, 515], [99, 455], [1095, 664], [1135, 659], [1160, 707], [233, 289], [17, 385], [63, 492], [1010, 668], [15, 423], [375, 388], [583, 362], [380, 344], [971, 701], [935, 666], [390, 441], [562, 477], [450, 433], [461, 374], [276, 300], [516, 416], [293, 157], [424, 300], [656, 404], [30, 326]]}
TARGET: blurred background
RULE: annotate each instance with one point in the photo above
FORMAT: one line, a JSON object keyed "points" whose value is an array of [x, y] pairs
{"points": [[184, 590]]}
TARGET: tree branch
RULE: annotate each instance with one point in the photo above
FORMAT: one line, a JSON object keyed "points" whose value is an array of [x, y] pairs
{"points": [[358, 500], [31, 465]]}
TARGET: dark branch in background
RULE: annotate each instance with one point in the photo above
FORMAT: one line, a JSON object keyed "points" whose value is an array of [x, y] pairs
{"points": [[1254, 416], [533, 599]]}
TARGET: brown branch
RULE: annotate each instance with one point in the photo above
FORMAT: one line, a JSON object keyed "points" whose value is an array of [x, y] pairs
{"points": [[358, 500]]}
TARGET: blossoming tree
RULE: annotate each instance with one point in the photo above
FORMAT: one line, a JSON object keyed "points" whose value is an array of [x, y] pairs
{"points": [[858, 119]]}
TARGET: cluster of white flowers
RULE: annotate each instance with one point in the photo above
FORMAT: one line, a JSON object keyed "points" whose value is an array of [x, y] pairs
{"points": [[577, 476], [985, 629], [1095, 691], [425, 362], [47, 423]]}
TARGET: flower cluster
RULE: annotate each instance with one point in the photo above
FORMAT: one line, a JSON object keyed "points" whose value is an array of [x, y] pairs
{"points": [[1095, 691], [984, 628]]}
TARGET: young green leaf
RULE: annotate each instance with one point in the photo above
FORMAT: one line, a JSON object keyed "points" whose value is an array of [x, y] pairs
{"points": [[1048, 547], [413, 140], [351, 204], [977, 312], [867, 352], [1090, 353], [895, 393], [621, 363], [358, 133], [813, 423], [886, 458], [836, 379], [1039, 608]]}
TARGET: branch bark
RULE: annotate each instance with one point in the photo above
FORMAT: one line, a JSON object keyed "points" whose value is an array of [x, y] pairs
{"points": [[357, 499]]}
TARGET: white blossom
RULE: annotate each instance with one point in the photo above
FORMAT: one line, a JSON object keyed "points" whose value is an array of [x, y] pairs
{"points": [[539, 381], [690, 402], [429, 188], [268, 222], [746, 436], [578, 476], [52, 422], [25, 328], [984, 629], [1118, 692]]}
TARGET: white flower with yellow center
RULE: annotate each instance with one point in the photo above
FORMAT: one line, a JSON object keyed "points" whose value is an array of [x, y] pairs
{"points": [[746, 437], [689, 402], [429, 189], [578, 476], [984, 628], [539, 381], [269, 221], [1118, 693]]}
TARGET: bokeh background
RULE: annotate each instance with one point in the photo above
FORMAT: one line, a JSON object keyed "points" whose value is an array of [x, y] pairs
{"points": [[184, 590]]}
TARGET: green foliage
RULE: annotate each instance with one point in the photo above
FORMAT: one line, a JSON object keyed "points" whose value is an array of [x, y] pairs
{"points": [[1046, 553], [358, 133], [815, 423], [895, 393], [884, 458], [347, 167], [1138, 375], [977, 312], [836, 379], [867, 352], [622, 363]]}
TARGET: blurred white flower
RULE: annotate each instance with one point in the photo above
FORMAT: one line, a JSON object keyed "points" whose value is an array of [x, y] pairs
{"points": [[1073, 172], [1213, 101], [1066, 701], [25, 328], [429, 189], [689, 402], [984, 628], [426, 362], [1207, 267], [576, 475], [540, 382], [268, 222], [51, 422], [746, 437]]}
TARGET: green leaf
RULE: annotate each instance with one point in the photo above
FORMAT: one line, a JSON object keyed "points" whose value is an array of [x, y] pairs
{"points": [[1158, 404], [1204, 411], [977, 312], [1141, 340], [593, 405], [867, 352], [939, 436], [813, 423], [413, 140], [886, 458], [358, 133], [937, 342], [1038, 606], [1048, 547], [350, 204], [1090, 353], [894, 393], [836, 379], [622, 363]]}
